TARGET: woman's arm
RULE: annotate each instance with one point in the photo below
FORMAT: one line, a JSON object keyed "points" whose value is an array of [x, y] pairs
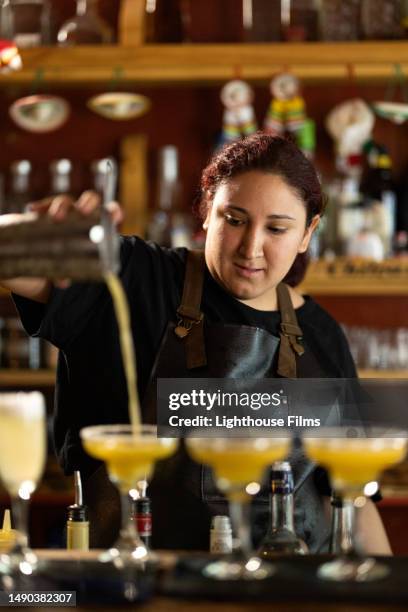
{"points": [[370, 531]]}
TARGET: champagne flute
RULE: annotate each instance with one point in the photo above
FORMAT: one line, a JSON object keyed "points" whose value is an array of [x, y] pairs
{"points": [[352, 464], [129, 452], [22, 460], [238, 464]]}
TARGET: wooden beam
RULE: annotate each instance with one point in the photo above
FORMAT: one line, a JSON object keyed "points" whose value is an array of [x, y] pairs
{"points": [[133, 183], [132, 22]]}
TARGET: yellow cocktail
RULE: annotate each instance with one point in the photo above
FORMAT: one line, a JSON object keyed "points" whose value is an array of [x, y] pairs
{"points": [[237, 462], [23, 448], [352, 462], [128, 458], [238, 465], [129, 453]]}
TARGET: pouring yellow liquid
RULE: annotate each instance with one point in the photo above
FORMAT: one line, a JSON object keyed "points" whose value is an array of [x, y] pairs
{"points": [[121, 307], [354, 462]]}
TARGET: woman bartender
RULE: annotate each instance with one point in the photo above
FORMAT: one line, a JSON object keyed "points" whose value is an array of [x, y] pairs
{"points": [[260, 203]]}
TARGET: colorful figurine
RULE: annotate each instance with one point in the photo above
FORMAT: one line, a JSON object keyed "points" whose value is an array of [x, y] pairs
{"points": [[239, 117], [287, 108]]}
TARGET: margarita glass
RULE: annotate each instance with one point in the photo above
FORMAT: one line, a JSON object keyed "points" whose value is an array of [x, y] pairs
{"points": [[238, 465], [352, 463], [23, 445], [129, 452]]}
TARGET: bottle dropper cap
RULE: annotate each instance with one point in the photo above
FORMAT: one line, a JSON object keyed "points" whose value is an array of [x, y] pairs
{"points": [[7, 534]]}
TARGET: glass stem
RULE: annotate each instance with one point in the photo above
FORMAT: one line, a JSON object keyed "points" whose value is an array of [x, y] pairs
{"points": [[20, 517], [128, 526], [348, 539], [239, 513]]}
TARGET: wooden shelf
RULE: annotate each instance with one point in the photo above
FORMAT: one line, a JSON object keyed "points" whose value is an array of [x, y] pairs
{"points": [[27, 378], [386, 374], [211, 63], [345, 277]]}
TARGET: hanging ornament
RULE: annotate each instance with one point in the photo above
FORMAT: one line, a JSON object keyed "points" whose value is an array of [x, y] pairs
{"points": [[40, 113], [119, 106], [10, 58], [397, 112], [286, 111], [239, 117], [350, 125]]}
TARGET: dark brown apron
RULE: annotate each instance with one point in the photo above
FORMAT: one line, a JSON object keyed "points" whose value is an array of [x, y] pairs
{"points": [[183, 493]]}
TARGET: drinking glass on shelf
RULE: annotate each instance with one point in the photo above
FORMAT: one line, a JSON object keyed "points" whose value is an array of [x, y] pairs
{"points": [[22, 460], [85, 27], [238, 465], [353, 463], [129, 452]]}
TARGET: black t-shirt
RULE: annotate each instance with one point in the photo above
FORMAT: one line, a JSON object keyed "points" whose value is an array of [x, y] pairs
{"points": [[80, 321]]}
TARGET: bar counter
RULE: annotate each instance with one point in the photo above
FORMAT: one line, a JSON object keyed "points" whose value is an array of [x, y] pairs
{"points": [[179, 587]]}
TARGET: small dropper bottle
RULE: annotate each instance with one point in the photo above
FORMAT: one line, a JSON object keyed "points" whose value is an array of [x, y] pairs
{"points": [[77, 520], [7, 534]]}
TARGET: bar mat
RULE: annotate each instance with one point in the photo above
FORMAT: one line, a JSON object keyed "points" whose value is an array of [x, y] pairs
{"points": [[294, 577]]}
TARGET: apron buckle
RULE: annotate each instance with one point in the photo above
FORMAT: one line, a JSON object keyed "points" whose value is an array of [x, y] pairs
{"points": [[184, 326]]}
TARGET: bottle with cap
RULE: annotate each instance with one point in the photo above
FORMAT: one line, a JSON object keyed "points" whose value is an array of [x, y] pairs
{"points": [[20, 192], [143, 519], [281, 538], [341, 536], [77, 520], [7, 534], [221, 535]]}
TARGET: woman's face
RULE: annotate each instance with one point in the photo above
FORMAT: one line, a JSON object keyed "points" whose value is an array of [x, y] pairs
{"points": [[256, 225]]}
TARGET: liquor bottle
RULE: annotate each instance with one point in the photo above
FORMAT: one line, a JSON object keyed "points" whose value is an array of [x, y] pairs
{"points": [[339, 20], [61, 176], [379, 196], [169, 225], [86, 27], [77, 519], [341, 537], [221, 535], [348, 203], [381, 19], [281, 538], [20, 186], [165, 21], [26, 22], [100, 168], [142, 514]]}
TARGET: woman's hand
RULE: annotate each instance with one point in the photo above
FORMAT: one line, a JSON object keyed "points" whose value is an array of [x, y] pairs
{"points": [[57, 207]]}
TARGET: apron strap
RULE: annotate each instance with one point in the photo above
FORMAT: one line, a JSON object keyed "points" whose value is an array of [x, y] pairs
{"points": [[290, 334], [190, 325]]}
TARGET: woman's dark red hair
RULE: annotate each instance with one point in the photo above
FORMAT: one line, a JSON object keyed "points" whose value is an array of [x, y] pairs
{"points": [[279, 156]]}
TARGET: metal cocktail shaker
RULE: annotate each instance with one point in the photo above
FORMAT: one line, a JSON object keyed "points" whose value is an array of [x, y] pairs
{"points": [[80, 248]]}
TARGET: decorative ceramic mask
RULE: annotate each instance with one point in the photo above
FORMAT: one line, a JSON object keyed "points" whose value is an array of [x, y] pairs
{"points": [[119, 106], [40, 113]]}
